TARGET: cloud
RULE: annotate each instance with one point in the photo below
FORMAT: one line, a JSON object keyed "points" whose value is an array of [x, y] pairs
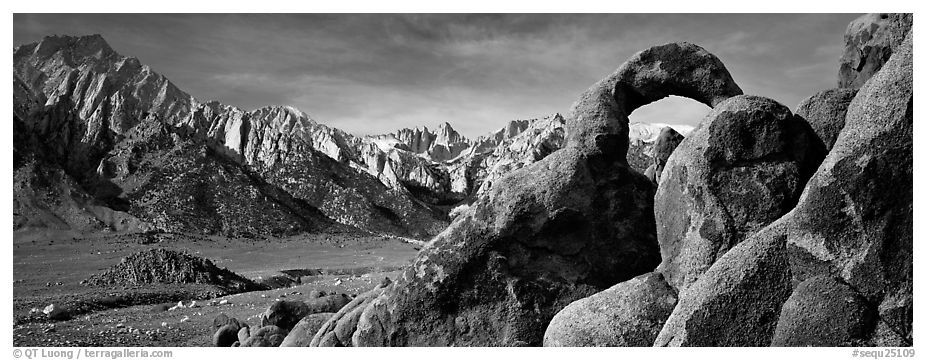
{"points": [[375, 73]]}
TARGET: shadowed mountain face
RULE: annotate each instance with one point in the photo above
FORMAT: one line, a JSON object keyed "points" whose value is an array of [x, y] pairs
{"points": [[103, 141]]}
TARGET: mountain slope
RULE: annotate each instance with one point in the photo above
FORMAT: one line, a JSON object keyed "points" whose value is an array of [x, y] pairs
{"points": [[87, 99], [129, 141]]}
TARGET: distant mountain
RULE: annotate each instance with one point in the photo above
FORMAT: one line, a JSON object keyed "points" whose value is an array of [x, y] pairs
{"points": [[647, 132], [102, 141], [443, 144], [86, 102]]}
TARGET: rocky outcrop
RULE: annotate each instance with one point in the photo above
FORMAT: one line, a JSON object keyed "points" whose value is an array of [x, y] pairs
{"points": [[267, 336], [848, 242], [549, 233], [855, 218], [171, 267], [339, 328], [825, 111], [225, 336], [443, 144], [824, 311], [535, 142], [285, 314], [221, 320], [181, 185], [109, 92], [488, 143], [663, 146], [301, 335], [869, 42], [742, 168], [628, 314], [737, 301]]}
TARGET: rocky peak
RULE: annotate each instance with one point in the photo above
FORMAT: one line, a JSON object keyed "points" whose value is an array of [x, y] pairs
{"points": [[869, 42], [446, 135], [108, 91], [75, 50], [439, 145], [648, 132], [285, 119], [488, 143]]}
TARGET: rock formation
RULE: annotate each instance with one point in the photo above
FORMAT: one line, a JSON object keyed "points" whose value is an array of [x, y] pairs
{"points": [[225, 336], [663, 146], [847, 242], [742, 168], [825, 111], [547, 234], [855, 218], [443, 144], [768, 228], [82, 107], [736, 302], [286, 313], [170, 267], [267, 336], [628, 314], [869, 42], [540, 138], [824, 311]]}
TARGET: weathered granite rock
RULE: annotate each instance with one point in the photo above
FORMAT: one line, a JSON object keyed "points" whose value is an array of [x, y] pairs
{"points": [[855, 218], [825, 111], [650, 173], [741, 169], [628, 314], [344, 322], [824, 311], [301, 335], [284, 314], [555, 231], [225, 336], [737, 301], [221, 320], [267, 336], [287, 313], [869, 42], [665, 144], [243, 334]]}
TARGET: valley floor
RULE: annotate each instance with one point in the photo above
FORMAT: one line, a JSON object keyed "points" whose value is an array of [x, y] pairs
{"points": [[48, 267]]}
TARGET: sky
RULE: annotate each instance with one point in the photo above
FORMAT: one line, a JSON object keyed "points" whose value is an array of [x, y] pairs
{"points": [[376, 73]]}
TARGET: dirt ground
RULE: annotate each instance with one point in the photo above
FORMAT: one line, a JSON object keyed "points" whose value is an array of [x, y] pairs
{"points": [[48, 267]]}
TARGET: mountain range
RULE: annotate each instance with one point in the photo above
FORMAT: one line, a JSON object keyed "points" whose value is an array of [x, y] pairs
{"points": [[102, 142]]}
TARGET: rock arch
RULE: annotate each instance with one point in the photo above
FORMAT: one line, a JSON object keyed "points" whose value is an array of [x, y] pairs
{"points": [[545, 235]]}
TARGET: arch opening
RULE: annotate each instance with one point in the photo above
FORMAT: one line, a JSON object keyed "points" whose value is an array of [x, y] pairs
{"points": [[680, 113]]}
